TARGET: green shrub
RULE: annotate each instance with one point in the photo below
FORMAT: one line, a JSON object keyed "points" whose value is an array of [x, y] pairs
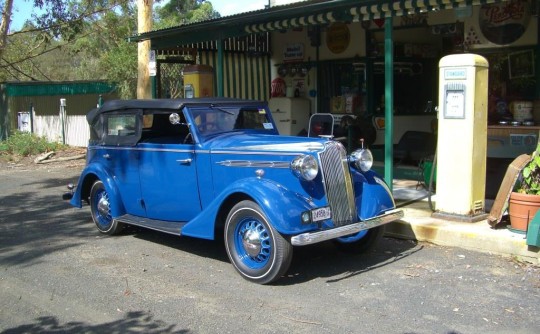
{"points": [[530, 175], [25, 144]]}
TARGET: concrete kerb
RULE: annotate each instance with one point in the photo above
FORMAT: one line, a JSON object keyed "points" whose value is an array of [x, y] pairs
{"points": [[418, 224]]}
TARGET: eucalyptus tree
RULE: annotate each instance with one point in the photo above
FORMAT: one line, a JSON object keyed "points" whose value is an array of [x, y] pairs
{"points": [[53, 25], [84, 39]]}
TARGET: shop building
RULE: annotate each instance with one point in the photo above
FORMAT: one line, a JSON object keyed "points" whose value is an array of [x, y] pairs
{"points": [[375, 60]]}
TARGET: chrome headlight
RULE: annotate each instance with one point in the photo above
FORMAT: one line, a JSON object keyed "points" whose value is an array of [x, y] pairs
{"points": [[305, 167], [363, 159]]}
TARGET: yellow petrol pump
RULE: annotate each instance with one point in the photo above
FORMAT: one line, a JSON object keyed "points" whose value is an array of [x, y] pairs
{"points": [[462, 138], [198, 81]]}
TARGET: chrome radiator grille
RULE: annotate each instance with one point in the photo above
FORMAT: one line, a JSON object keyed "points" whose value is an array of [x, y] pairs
{"points": [[338, 184]]}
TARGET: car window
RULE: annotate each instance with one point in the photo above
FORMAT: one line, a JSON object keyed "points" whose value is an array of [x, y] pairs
{"points": [[121, 125], [250, 119], [158, 129], [215, 120], [122, 128]]}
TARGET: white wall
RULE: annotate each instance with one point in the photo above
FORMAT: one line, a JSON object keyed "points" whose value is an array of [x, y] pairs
{"points": [[77, 132]]}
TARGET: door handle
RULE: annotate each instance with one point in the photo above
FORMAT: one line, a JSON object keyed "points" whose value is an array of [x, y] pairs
{"points": [[184, 161]]}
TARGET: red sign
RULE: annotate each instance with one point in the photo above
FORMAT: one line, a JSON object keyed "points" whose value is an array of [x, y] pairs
{"points": [[278, 88], [379, 22]]}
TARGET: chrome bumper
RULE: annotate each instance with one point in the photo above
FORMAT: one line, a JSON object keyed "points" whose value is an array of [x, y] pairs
{"points": [[309, 238]]}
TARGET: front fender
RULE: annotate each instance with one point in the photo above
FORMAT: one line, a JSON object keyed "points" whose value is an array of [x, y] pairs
{"points": [[89, 175], [282, 207], [373, 197]]}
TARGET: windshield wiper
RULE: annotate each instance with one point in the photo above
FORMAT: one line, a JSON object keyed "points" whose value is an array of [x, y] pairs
{"points": [[221, 109]]}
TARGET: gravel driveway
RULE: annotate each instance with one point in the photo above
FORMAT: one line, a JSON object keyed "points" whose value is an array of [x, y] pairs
{"points": [[58, 275]]}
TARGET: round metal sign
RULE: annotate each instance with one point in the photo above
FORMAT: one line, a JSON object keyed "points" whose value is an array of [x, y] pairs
{"points": [[338, 37], [505, 22]]}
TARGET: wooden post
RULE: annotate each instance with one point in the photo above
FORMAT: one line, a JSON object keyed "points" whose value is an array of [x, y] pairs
{"points": [[144, 24]]}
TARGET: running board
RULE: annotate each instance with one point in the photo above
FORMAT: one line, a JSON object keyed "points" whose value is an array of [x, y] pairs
{"points": [[153, 224]]}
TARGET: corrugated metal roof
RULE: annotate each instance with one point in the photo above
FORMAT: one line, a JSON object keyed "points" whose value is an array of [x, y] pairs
{"points": [[292, 15], [234, 25], [239, 15]]}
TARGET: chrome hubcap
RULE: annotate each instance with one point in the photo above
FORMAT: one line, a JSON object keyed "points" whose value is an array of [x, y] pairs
{"points": [[252, 242], [103, 206]]}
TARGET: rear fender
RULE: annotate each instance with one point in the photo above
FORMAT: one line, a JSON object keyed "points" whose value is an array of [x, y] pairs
{"points": [[88, 176]]}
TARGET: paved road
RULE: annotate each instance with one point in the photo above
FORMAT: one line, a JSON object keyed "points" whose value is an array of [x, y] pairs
{"points": [[58, 275]]}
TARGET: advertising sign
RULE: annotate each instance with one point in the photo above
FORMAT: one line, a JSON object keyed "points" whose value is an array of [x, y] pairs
{"points": [[505, 22]]}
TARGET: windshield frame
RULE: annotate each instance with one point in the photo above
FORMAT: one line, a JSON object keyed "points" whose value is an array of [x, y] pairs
{"points": [[210, 121]]}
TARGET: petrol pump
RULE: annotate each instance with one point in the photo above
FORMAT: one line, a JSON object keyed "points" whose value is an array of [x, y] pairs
{"points": [[198, 81], [462, 138]]}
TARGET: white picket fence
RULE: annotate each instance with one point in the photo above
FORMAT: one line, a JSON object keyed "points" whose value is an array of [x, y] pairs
{"points": [[76, 131]]}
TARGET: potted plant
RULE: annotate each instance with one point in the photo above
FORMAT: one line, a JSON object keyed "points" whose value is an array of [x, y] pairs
{"points": [[525, 199]]}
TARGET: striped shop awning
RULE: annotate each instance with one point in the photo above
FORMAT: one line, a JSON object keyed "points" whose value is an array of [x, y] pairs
{"points": [[385, 9], [295, 22], [373, 10]]}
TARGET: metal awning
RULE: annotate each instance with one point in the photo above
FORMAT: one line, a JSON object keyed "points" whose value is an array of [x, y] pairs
{"points": [[385, 9], [275, 18], [298, 14], [295, 22], [369, 10]]}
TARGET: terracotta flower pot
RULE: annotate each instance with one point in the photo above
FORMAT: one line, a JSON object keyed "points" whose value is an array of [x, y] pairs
{"points": [[522, 209]]}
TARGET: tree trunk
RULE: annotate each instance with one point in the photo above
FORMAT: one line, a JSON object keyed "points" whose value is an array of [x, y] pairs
{"points": [[4, 26], [144, 24]]}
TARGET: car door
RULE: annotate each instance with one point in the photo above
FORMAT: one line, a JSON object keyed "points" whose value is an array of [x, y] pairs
{"points": [[118, 154], [167, 170], [169, 181]]}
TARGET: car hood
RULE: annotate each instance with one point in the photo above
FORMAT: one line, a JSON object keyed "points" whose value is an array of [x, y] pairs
{"points": [[266, 143]]}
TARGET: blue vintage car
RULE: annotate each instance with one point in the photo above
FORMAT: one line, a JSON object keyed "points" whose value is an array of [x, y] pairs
{"points": [[208, 168]]}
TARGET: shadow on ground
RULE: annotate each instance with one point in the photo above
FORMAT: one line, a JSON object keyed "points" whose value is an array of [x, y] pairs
{"points": [[322, 260], [32, 226], [133, 322]]}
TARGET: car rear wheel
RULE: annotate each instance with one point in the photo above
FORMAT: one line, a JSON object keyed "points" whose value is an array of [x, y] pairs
{"points": [[359, 243], [100, 205], [257, 251]]}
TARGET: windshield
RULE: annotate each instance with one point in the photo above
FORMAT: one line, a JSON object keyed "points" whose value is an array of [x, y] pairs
{"points": [[214, 120]]}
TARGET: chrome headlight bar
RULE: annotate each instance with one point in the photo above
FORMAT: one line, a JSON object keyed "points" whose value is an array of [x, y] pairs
{"points": [[362, 159], [305, 167]]}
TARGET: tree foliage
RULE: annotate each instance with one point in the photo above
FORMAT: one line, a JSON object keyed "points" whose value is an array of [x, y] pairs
{"points": [[43, 48], [177, 12], [85, 39]]}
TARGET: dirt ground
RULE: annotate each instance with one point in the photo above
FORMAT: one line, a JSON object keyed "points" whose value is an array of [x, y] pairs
{"points": [[70, 157]]}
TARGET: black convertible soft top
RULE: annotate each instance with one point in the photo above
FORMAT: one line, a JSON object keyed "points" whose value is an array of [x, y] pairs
{"points": [[175, 104]]}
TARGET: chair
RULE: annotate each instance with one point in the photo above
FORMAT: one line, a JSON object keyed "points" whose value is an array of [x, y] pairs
{"points": [[321, 124]]}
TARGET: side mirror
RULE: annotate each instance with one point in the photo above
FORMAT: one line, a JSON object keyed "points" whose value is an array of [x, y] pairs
{"points": [[174, 118]]}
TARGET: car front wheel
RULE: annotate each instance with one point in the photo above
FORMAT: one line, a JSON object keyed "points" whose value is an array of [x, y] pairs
{"points": [[257, 251], [361, 242], [100, 205]]}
